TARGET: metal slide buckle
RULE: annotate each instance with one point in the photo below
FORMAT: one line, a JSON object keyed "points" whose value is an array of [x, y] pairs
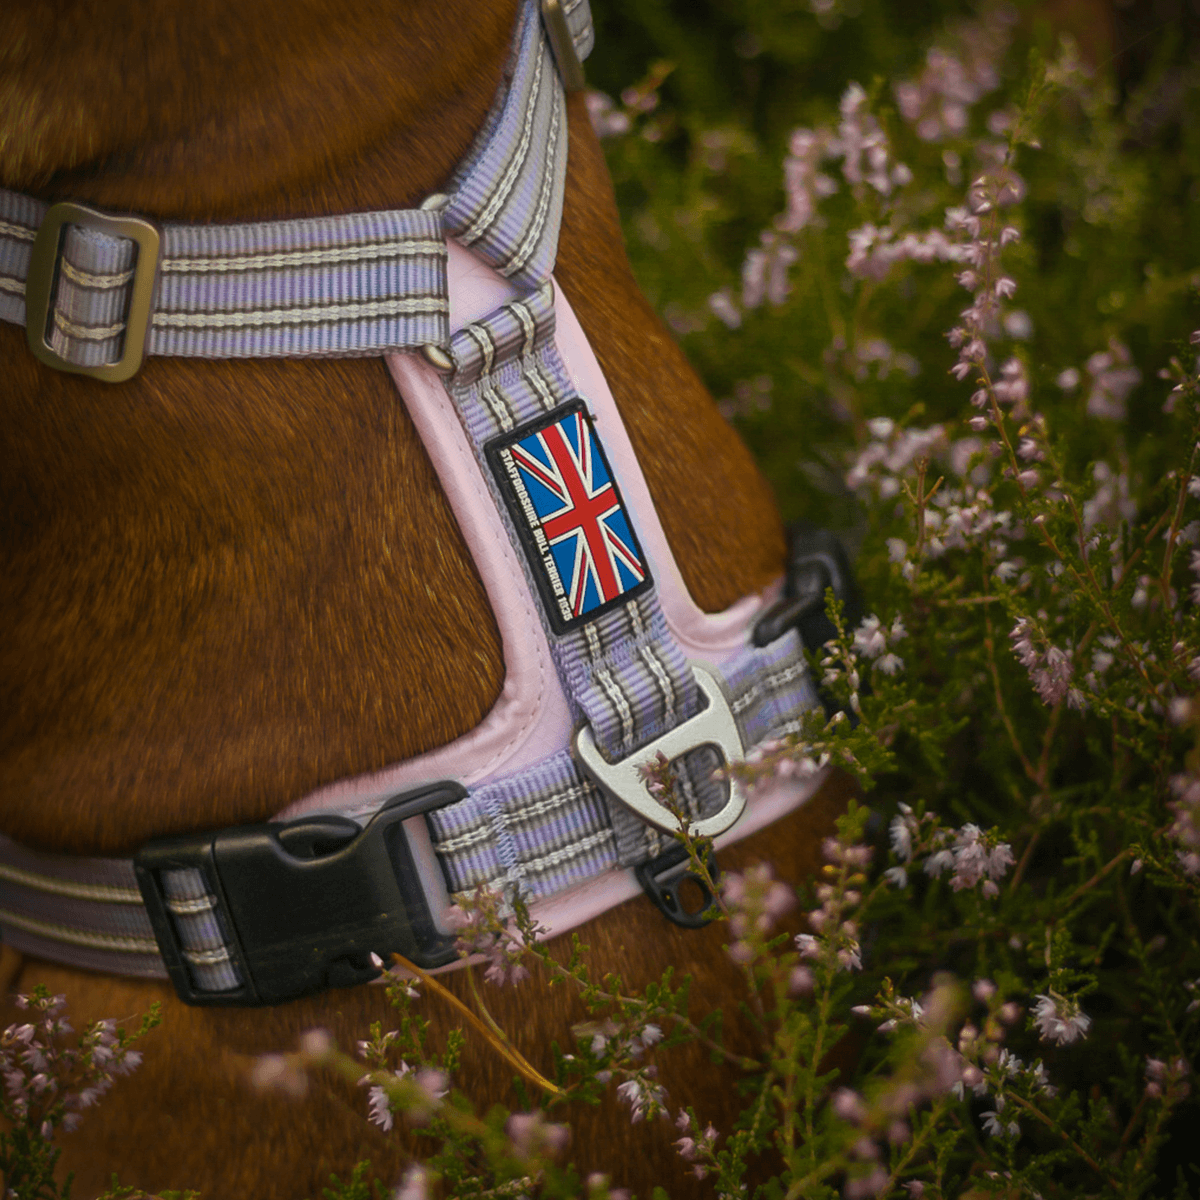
{"points": [[43, 277], [622, 780], [559, 34], [303, 904]]}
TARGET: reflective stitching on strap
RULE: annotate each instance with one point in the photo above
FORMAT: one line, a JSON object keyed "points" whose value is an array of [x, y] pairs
{"points": [[105, 892], [367, 251], [537, 381], [478, 227], [207, 958], [22, 232], [186, 908], [619, 703], [530, 245], [651, 660], [300, 316], [79, 937], [87, 279], [88, 332]]}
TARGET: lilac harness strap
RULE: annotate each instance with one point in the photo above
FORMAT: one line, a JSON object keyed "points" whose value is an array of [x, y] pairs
{"points": [[359, 284], [598, 629]]}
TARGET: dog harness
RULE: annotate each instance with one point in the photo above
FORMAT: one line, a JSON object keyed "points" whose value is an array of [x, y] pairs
{"points": [[608, 660]]}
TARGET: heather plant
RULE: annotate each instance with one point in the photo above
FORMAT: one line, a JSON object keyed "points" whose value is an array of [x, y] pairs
{"points": [[949, 293], [49, 1082]]}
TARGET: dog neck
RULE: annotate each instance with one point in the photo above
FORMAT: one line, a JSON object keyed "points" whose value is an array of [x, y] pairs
{"points": [[232, 583]]}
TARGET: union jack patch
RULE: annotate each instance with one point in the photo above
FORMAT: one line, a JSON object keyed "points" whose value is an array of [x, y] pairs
{"points": [[572, 522]]}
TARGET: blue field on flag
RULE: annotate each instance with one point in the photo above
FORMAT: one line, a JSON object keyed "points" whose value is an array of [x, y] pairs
{"points": [[580, 513]]}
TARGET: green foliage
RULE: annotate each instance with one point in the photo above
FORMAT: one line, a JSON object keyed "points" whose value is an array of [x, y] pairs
{"points": [[49, 1079], [362, 1185]]}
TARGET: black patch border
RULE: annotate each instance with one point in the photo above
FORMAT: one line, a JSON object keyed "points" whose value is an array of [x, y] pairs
{"points": [[528, 536]]}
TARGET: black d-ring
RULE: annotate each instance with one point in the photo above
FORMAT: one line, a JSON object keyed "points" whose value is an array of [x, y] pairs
{"points": [[661, 877]]}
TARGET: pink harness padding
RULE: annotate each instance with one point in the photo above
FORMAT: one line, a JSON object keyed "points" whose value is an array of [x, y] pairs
{"points": [[530, 720]]}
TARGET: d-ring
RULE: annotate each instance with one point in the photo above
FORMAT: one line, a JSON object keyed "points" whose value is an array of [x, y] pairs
{"points": [[622, 780]]}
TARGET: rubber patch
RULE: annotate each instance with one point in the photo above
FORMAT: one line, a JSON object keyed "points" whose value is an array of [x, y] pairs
{"points": [[573, 525]]}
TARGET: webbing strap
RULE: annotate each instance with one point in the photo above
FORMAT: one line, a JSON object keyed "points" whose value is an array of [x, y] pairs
{"points": [[548, 828], [359, 284], [623, 672], [545, 828]]}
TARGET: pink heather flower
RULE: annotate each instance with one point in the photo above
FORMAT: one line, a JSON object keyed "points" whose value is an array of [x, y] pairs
{"points": [[434, 1084], [801, 982], [997, 1128], [975, 1079], [1113, 378], [874, 1184], [1185, 828], [642, 1095], [849, 1106], [1049, 670], [607, 120], [936, 863], [721, 305], [530, 1134], [808, 945], [1059, 1019], [915, 1189], [279, 1073], [379, 1108], [649, 1035], [598, 1184], [414, 1185], [316, 1043], [481, 931], [765, 272], [900, 831], [889, 664], [865, 1149], [741, 953], [858, 856]]}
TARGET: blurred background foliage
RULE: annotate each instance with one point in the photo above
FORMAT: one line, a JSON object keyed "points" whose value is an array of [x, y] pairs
{"points": [[712, 91], [812, 356]]}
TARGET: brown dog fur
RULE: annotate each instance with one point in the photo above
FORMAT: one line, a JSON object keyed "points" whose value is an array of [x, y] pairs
{"points": [[213, 593]]}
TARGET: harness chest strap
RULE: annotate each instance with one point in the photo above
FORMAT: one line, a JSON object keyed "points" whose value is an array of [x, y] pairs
{"points": [[96, 292], [532, 817]]}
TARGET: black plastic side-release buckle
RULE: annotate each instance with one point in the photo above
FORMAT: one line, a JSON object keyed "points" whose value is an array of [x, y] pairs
{"points": [[302, 904], [816, 560], [662, 877]]}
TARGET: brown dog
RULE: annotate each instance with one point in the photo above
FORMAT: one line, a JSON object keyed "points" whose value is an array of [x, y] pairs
{"points": [[213, 596]]}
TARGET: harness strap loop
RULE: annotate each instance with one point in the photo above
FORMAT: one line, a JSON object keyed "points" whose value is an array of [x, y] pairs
{"points": [[352, 285], [369, 284]]}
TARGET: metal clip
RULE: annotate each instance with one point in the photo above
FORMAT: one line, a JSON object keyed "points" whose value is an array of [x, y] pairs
{"points": [[622, 780], [817, 560], [563, 45], [43, 277]]}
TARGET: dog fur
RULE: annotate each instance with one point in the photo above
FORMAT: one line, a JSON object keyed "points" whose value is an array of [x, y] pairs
{"points": [[224, 584]]}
